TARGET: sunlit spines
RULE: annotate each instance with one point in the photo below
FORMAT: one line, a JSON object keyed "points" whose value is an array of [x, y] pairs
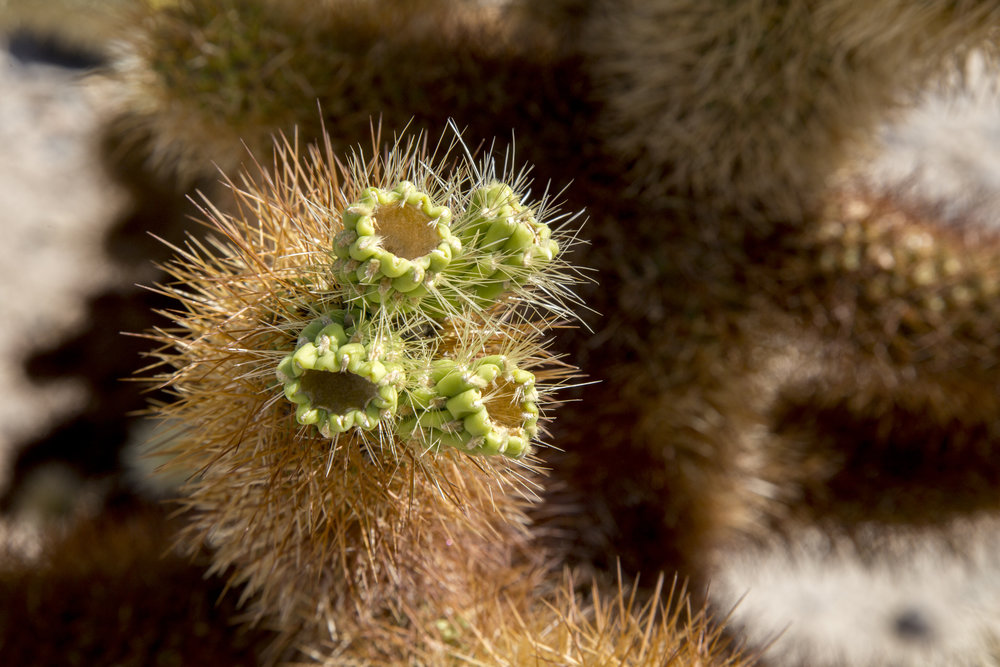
{"points": [[465, 244], [602, 623], [515, 244]]}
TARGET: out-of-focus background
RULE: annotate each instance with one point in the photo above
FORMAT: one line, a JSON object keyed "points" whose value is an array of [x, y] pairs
{"points": [[56, 205]]}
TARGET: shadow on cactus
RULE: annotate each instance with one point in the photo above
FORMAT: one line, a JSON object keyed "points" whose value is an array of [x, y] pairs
{"points": [[367, 456]]}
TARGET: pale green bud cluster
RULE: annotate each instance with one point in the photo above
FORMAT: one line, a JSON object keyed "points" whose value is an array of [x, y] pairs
{"points": [[395, 243], [398, 247], [406, 264], [513, 242], [485, 407], [342, 376]]}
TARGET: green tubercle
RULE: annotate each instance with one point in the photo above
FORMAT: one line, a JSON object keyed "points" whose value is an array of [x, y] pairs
{"points": [[485, 407], [394, 245], [511, 242], [342, 375]]}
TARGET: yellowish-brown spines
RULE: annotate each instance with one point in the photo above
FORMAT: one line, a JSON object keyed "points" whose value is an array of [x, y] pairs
{"points": [[603, 623]]}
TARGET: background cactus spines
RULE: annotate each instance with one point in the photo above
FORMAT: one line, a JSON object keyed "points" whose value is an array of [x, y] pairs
{"points": [[200, 79], [727, 123], [113, 589]]}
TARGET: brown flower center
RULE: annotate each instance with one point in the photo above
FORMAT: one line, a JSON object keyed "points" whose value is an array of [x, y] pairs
{"points": [[504, 405], [405, 231], [337, 392]]}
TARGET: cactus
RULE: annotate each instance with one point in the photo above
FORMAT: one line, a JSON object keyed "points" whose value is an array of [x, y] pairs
{"points": [[727, 123], [294, 387], [196, 81], [603, 623], [132, 598], [513, 243]]}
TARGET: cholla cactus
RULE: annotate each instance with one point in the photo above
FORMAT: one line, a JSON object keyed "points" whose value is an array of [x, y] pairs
{"points": [[764, 101], [112, 591], [196, 80], [292, 387]]}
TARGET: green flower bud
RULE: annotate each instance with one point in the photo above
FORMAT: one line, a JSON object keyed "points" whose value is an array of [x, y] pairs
{"points": [[485, 407], [341, 375], [511, 242], [394, 245]]}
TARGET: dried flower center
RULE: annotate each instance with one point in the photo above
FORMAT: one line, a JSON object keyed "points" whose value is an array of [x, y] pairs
{"points": [[405, 231], [504, 405], [337, 392]]}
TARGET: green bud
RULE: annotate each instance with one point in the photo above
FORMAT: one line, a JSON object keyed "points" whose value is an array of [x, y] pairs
{"points": [[399, 241], [342, 376]]}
